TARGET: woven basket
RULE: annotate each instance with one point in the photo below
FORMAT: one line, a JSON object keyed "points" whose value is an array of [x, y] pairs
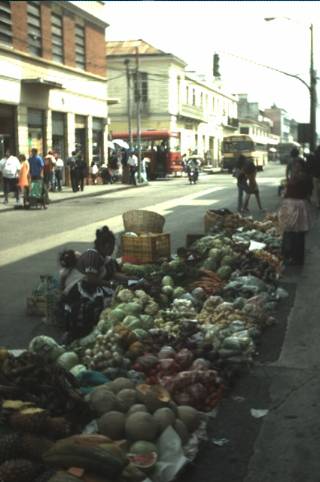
{"points": [[211, 219], [145, 249], [141, 221]]}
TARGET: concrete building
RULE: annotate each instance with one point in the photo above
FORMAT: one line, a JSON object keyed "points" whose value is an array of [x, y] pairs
{"points": [[53, 85], [283, 125], [172, 99]]}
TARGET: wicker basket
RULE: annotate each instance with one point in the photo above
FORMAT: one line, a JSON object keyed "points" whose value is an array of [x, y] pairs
{"points": [[145, 249], [142, 221], [212, 219]]}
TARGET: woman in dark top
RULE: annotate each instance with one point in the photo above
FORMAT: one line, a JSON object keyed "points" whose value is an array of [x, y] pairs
{"points": [[294, 215]]}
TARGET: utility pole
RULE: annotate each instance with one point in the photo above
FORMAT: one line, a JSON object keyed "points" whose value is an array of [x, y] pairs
{"points": [[138, 103], [313, 96], [126, 62]]}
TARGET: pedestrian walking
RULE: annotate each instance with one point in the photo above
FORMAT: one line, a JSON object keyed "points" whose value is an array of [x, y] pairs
{"points": [[250, 171], [10, 167], [82, 174], [242, 181], [48, 171], [94, 170], [133, 164], [73, 170], [58, 171], [36, 165], [295, 216], [24, 177]]}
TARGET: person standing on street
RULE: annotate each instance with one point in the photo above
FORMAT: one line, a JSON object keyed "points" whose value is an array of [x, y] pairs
{"points": [[313, 167], [10, 167], [36, 165], [250, 171], [48, 171], [133, 165], [242, 181], [293, 163], [58, 171], [94, 170], [24, 176], [72, 164]]}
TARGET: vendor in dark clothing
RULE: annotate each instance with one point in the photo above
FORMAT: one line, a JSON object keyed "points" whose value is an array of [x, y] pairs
{"points": [[294, 216]]}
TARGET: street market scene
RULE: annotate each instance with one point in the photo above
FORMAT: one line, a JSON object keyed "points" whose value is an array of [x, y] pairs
{"points": [[159, 247]]}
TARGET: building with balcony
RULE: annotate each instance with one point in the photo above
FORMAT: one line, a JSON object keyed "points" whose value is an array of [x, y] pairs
{"points": [[172, 99], [283, 125], [53, 85]]}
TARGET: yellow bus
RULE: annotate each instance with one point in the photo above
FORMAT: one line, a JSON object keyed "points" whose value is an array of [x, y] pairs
{"points": [[233, 146]]}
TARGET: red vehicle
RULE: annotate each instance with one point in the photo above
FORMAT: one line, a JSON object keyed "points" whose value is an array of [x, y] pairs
{"points": [[161, 146]]}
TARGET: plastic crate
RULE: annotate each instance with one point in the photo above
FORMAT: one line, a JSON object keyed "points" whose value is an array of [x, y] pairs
{"points": [[147, 248]]}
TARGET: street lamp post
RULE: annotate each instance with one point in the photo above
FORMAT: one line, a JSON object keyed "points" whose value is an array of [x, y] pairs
{"points": [[311, 87]]}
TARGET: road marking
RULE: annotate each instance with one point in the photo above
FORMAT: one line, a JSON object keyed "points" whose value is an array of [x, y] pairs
{"points": [[86, 233]]}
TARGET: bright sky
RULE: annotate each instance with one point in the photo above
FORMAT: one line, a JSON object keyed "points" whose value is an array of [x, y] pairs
{"points": [[195, 30]]}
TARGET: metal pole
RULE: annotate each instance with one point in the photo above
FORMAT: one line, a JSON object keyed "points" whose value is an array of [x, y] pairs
{"points": [[126, 62], [138, 100], [313, 97]]}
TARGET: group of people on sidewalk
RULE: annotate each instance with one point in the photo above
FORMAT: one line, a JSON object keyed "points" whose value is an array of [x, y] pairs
{"points": [[18, 173]]}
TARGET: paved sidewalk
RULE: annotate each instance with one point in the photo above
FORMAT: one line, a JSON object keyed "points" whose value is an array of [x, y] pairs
{"points": [[67, 193], [287, 449]]}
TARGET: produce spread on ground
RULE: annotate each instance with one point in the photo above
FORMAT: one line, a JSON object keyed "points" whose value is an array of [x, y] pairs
{"points": [[130, 401]]}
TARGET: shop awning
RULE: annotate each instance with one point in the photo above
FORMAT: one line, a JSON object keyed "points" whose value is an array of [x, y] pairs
{"points": [[40, 81]]}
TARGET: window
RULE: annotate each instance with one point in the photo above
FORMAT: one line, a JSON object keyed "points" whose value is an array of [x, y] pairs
{"points": [[244, 130], [201, 99], [34, 28], [57, 38], [193, 97], [80, 47], [36, 130], [5, 23], [143, 87], [97, 140], [58, 133], [187, 94], [213, 104]]}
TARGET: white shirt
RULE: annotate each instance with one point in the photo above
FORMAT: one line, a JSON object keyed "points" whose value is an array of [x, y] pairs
{"points": [[133, 160], [10, 167], [59, 163]]}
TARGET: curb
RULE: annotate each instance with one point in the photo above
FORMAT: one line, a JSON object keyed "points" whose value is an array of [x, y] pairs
{"points": [[81, 196]]}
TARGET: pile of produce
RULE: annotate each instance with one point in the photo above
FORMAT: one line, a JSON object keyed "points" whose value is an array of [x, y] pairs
{"points": [[156, 361]]}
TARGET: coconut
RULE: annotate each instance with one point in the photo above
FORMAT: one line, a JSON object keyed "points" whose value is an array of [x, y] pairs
{"points": [[164, 417], [121, 383], [137, 407], [141, 426], [112, 425], [153, 397], [181, 430], [190, 417], [126, 398], [102, 400]]}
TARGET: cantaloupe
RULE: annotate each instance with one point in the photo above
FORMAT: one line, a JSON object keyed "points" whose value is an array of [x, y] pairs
{"points": [[141, 426], [164, 417], [126, 398], [102, 400], [181, 430], [153, 397], [121, 383], [137, 407], [112, 425], [189, 416]]}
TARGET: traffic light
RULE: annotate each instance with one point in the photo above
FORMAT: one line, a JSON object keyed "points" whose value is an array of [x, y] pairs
{"points": [[216, 66]]}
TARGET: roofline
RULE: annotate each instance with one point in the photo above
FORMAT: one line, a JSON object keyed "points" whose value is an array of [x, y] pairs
{"points": [[204, 84], [82, 13]]}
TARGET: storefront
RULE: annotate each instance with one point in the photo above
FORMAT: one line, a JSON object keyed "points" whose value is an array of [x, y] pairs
{"points": [[7, 129], [59, 133], [36, 137], [81, 136], [97, 140]]}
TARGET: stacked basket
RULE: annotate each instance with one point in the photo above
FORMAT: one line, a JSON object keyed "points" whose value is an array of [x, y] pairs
{"points": [[148, 244]]}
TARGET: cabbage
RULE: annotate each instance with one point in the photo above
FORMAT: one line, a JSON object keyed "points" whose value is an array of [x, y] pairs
{"points": [[131, 322], [146, 322], [46, 347], [151, 308], [117, 315], [215, 254], [211, 264], [125, 295], [167, 281], [133, 309], [224, 272], [179, 291], [227, 260], [167, 290], [140, 333], [105, 325], [68, 360], [77, 369]]}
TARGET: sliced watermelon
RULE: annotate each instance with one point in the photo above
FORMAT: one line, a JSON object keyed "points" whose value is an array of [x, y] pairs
{"points": [[143, 461]]}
